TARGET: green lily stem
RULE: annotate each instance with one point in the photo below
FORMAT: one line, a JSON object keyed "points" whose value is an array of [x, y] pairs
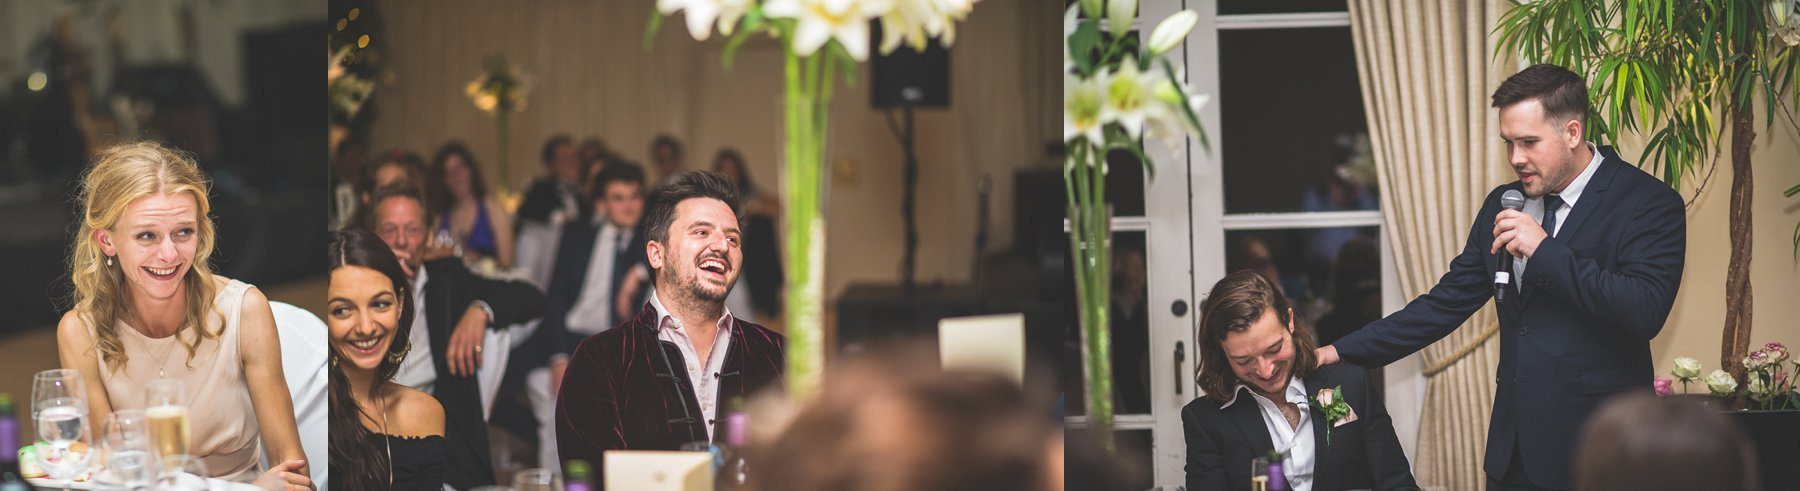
{"points": [[807, 99], [1085, 181]]}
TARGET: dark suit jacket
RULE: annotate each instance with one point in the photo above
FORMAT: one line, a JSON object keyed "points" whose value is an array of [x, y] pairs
{"points": [[545, 196], [1580, 331], [568, 280], [449, 289], [1362, 454], [618, 395]]}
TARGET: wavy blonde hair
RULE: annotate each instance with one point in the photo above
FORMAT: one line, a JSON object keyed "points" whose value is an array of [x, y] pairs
{"points": [[119, 175]]}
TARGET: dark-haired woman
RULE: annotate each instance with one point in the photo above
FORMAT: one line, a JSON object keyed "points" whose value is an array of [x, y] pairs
{"points": [[383, 435], [464, 209]]}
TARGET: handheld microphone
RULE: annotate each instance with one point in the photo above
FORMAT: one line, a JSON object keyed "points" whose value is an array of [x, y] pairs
{"points": [[1511, 200]]}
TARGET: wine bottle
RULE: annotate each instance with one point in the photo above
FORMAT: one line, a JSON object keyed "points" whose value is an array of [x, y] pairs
{"points": [[734, 472], [9, 437], [577, 473]]}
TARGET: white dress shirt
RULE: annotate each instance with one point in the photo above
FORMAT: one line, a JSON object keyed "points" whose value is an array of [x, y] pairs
{"points": [[1569, 195], [416, 370], [1298, 450], [705, 381], [592, 312]]}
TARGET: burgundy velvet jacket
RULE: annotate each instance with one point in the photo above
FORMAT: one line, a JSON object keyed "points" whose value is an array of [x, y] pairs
{"points": [[619, 395]]}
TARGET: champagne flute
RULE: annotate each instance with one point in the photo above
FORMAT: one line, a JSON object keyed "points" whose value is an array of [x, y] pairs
{"points": [[166, 403], [537, 480], [184, 473], [1259, 474], [127, 449], [59, 411]]}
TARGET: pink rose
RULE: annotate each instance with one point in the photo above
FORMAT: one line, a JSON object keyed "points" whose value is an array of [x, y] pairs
{"points": [[1663, 386]]}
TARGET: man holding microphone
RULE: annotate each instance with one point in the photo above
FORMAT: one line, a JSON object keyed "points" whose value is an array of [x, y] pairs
{"points": [[1584, 271]]}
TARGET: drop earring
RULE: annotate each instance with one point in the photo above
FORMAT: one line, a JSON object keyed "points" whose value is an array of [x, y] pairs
{"points": [[108, 261]]}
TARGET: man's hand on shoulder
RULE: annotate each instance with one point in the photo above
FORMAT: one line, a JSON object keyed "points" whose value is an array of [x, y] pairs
{"points": [[1327, 355]]}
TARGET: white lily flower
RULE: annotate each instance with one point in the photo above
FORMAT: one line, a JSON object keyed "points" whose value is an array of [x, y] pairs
{"points": [[701, 14], [821, 21], [1169, 33], [1120, 14], [1083, 109], [1130, 96], [1071, 18]]}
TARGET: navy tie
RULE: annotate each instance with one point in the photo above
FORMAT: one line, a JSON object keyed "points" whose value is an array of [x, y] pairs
{"points": [[1551, 204]]}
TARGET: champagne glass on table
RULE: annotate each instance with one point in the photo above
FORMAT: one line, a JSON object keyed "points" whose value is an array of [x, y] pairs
{"points": [[185, 473], [125, 441], [1259, 474], [165, 402], [59, 410], [537, 480]]}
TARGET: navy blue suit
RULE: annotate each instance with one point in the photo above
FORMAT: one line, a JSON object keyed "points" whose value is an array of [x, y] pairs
{"points": [[1361, 454], [1594, 295]]}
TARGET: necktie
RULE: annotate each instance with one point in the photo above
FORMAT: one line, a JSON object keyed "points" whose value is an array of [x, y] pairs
{"points": [[1552, 203]]}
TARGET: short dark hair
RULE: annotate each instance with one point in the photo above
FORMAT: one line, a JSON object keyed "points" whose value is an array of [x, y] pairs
{"points": [[1236, 302], [550, 145], [616, 172], [1639, 441], [689, 185], [1563, 93], [438, 190], [665, 140], [398, 190], [410, 162]]}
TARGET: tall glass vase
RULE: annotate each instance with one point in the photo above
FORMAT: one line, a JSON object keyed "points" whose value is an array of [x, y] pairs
{"points": [[1090, 236], [807, 103]]}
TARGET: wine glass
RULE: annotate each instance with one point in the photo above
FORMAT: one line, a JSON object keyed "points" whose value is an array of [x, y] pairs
{"points": [[125, 443], [59, 411], [166, 406], [184, 473], [537, 480], [1259, 473]]}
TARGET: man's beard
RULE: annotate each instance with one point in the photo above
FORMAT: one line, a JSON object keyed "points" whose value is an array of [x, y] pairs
{"points": [[691, 286]]}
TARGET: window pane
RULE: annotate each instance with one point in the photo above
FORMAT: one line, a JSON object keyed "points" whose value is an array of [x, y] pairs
{"points": [[1331, 275], [1293, 135], [1229, 7], [1130, 333]]}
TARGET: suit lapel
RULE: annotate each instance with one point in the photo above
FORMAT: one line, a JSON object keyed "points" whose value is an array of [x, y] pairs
{"points": [[1593, 197], [1248, 417], [1322, 453]]}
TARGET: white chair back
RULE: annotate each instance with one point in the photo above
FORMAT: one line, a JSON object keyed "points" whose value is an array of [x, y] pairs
{"points": [[304, 353]]}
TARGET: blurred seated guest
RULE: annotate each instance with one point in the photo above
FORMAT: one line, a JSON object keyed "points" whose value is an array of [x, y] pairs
{"points": [[395, 166], [893, 420], [464, 209], [459, 308], [654, 381], [667, 156], [594, 156], [383, 435], [1261, 390], [763, 276], [552, 200], [148, 307], [1642, 443], [591, 262]]}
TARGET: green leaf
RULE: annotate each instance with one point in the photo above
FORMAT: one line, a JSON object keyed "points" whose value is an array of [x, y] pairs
{"points": [[1082, 45], [656, 19], [751, 25]]}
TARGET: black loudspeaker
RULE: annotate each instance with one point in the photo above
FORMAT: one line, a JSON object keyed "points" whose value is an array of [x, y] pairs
{"points": [[921, 76]]}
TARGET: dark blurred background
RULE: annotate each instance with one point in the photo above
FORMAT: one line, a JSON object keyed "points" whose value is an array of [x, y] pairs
{"points": [[239, 84]]}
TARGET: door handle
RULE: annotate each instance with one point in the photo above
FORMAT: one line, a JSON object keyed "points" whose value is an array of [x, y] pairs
{"points": [[1180, 356]]}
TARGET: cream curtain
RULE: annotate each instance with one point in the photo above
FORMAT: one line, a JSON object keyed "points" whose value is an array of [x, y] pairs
{"points": [[1427, 70]]}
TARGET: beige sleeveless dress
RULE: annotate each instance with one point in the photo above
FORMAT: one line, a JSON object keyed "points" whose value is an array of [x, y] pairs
{"points": [[221, 420]]}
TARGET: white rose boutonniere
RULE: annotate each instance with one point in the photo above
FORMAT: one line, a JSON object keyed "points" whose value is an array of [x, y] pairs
{"points": [[1337, 412]]}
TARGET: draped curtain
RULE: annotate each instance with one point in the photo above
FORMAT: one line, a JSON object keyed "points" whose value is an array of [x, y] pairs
{"points": [[1427, 68]]}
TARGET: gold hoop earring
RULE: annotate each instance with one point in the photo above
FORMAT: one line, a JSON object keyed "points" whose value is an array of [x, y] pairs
{"points": [[398, 357]]}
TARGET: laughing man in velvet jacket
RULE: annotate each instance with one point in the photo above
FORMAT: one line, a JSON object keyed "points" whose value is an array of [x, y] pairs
{"points": [[656, 380], [1261, 393]]}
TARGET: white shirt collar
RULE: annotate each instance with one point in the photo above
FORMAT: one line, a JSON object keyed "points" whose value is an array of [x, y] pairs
{"points": [[664, 320], [1295, 393], [1572, 192]]}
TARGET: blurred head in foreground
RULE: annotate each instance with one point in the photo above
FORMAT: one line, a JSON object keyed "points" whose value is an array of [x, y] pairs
{"points": [[1641, 442]]}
